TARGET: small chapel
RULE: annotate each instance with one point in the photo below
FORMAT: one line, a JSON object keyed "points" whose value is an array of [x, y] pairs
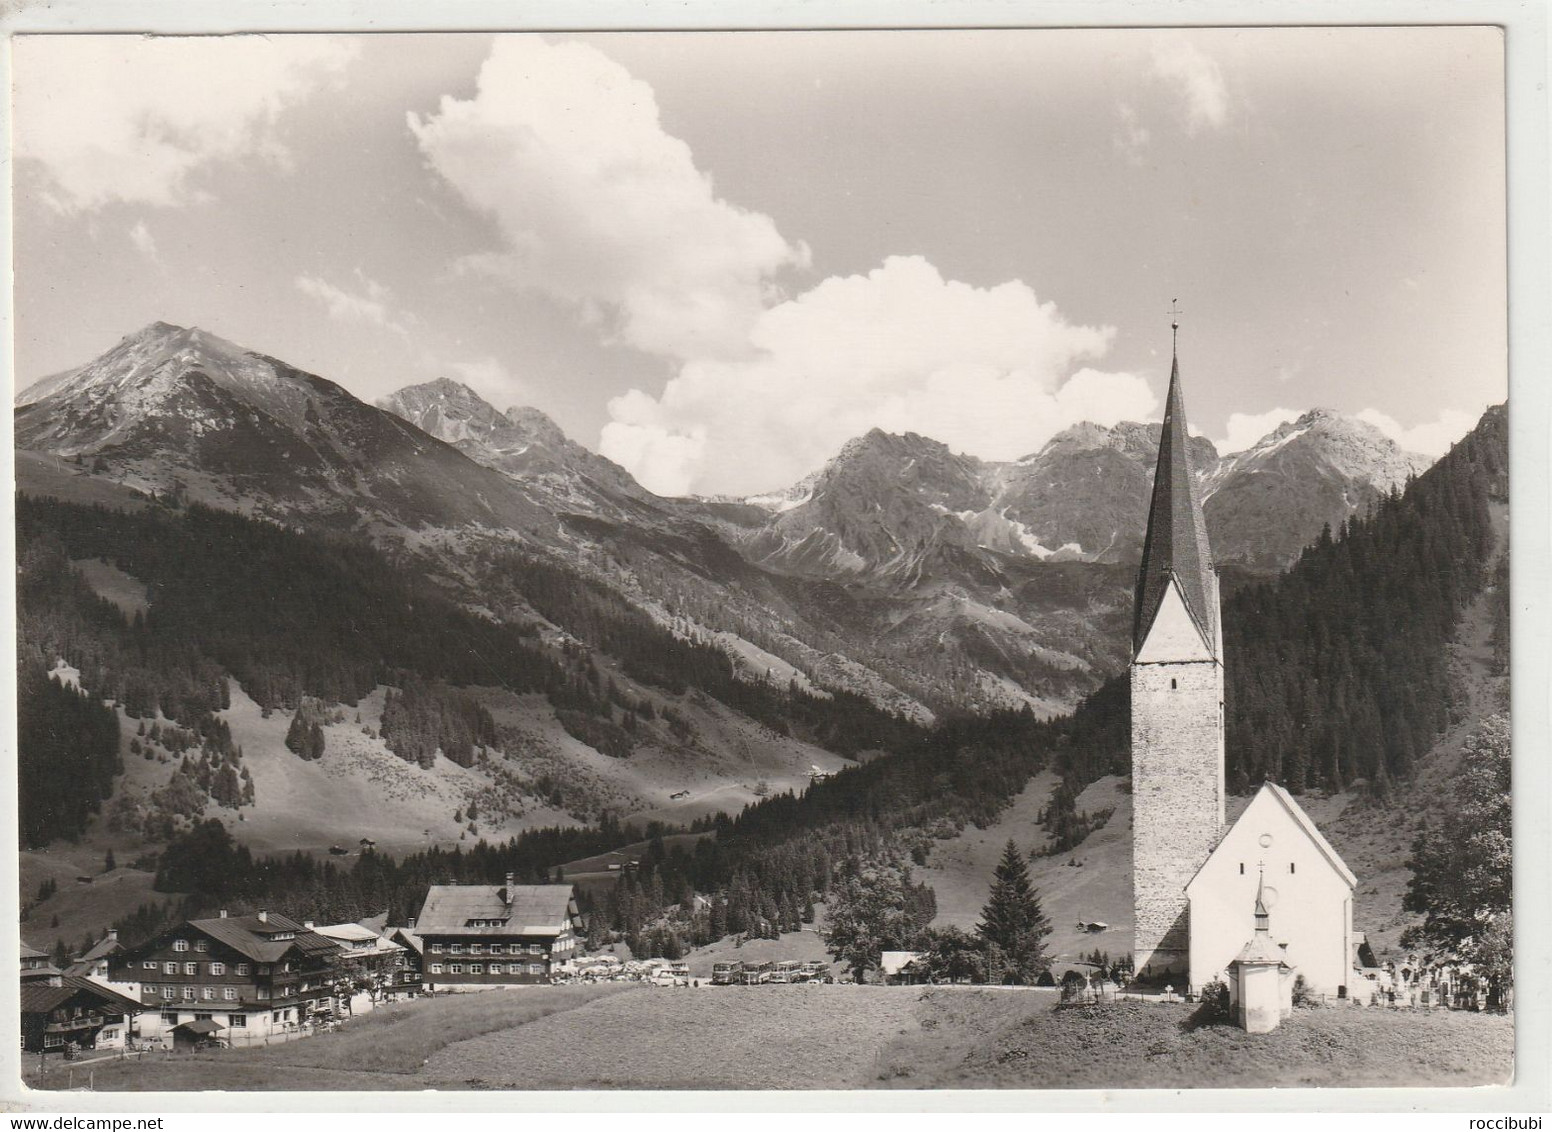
{"points": [[1256, 903]]}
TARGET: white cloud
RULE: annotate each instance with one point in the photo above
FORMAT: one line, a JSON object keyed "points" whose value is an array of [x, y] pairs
{"points": [[1198, 79], [597, 205], [1131, 137], [1244, 429], [986, 371], [372, 304], [133, 118], [491, 380], [1431, 438], [141, 237]]}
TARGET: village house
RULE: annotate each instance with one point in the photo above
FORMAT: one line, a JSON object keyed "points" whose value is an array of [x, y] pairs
{"points": [[481, 936], [255, 975], [372, 968], [36, 967], [75, 1011], [94, 962]]}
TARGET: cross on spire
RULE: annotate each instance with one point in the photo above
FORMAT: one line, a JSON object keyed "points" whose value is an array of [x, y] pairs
{"points": [[1174, 324]]}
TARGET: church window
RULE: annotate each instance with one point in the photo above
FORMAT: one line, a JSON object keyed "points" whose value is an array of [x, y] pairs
{"points": [[1242, 868], [1290, 866], [1172, 684]]}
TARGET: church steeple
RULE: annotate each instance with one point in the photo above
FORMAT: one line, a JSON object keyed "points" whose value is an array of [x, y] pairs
{"points": [[1175, 547]]}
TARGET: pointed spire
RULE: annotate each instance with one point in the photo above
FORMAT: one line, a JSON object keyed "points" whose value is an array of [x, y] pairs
{"points": [[1176, 543], [1263, 919]]}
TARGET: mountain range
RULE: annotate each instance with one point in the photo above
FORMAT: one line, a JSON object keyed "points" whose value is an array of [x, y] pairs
{"points": [[923, 579]]}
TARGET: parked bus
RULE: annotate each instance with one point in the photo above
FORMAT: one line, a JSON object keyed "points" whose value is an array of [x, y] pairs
{"points": [[756, 973], [726, 974], [787, 971]]}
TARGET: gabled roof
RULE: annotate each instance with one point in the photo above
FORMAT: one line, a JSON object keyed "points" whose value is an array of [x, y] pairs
{"points": [[534, 909], [200, 1026], [1176, 542], [408, 938], [103, 948], [30, 952], [39, 998], [1300, 818], [252, 937]]}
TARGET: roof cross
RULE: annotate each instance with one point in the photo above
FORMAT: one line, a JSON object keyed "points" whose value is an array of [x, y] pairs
{"points": [[1174, 322]]}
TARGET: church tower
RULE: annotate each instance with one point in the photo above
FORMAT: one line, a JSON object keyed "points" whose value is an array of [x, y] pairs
{"points": [[1177, 702]]}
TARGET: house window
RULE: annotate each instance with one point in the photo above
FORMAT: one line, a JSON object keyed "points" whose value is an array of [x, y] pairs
{"points": [[244, 968], [149, 964], [237, 1021], [476, 949], [229, 993], [169, 968], [455, 969], [201, 945], [203, 1017], [535, 949], [455, 948], [170, 1017], [536, 968], [218, 968], [180, 945], [188, 994], [436, 968], [191, 968], [496, 968], [170, 991], [497, 949], [476, 968], [261, 992], [263, 968], [210, 992], [437, 947]]}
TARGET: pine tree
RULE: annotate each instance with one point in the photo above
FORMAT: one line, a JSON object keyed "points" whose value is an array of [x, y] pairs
{"points": [[1012, 918]]}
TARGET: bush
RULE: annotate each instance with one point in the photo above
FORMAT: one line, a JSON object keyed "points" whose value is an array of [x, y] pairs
{"points": [[1215, 1009]]}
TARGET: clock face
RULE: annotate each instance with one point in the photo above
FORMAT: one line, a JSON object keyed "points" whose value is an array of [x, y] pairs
{"points": [[1266, 840]]}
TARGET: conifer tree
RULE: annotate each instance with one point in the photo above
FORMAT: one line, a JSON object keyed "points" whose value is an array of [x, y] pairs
{"points": [[1012, 918]]}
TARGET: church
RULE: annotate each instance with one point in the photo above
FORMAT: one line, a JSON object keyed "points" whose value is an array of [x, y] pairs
{"points": [[1267, 896]]}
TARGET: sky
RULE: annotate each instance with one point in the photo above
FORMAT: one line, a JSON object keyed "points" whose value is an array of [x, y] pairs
{"points": [[715, 257]]}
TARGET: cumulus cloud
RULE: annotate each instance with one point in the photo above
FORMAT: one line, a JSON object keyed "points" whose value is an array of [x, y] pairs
{"points": [[1431, 438], [598, 206], [370, 304], [1244, 429], [1198, 79], [133, 118], [989, 371], [141, 237]]}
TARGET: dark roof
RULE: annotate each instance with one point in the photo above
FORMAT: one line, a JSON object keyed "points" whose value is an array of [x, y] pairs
{"points": [[47, 971], [1176, 542], [30, 952], [534, 909], [200, 1026], [250, 936], [103, 948], [39, 998]]}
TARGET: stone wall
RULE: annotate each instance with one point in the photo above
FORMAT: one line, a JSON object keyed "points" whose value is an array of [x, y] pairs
{"points": [[1177, 799]]}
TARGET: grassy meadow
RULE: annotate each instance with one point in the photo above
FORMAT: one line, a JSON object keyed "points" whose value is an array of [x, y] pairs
{"points": [[624, 1036]]}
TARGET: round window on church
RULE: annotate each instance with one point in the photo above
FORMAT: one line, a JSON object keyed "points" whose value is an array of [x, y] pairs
{"points": [[1266, 840], [1268, 896]]}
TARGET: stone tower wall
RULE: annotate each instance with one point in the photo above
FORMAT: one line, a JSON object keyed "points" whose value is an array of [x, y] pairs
{"points": [[1177, 799]]}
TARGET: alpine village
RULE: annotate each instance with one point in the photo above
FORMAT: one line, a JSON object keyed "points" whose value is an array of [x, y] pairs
{"points": [[331, 714]]}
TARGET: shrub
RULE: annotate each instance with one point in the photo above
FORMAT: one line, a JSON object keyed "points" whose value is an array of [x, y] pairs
{"points": [[1214, 1009]]}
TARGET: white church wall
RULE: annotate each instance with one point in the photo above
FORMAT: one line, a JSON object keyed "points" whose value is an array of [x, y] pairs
{"points": [[1308, 900]]}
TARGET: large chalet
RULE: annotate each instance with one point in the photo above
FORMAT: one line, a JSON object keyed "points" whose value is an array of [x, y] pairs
{"points": [[253, 975], [477, 937], [74, 1011]]}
